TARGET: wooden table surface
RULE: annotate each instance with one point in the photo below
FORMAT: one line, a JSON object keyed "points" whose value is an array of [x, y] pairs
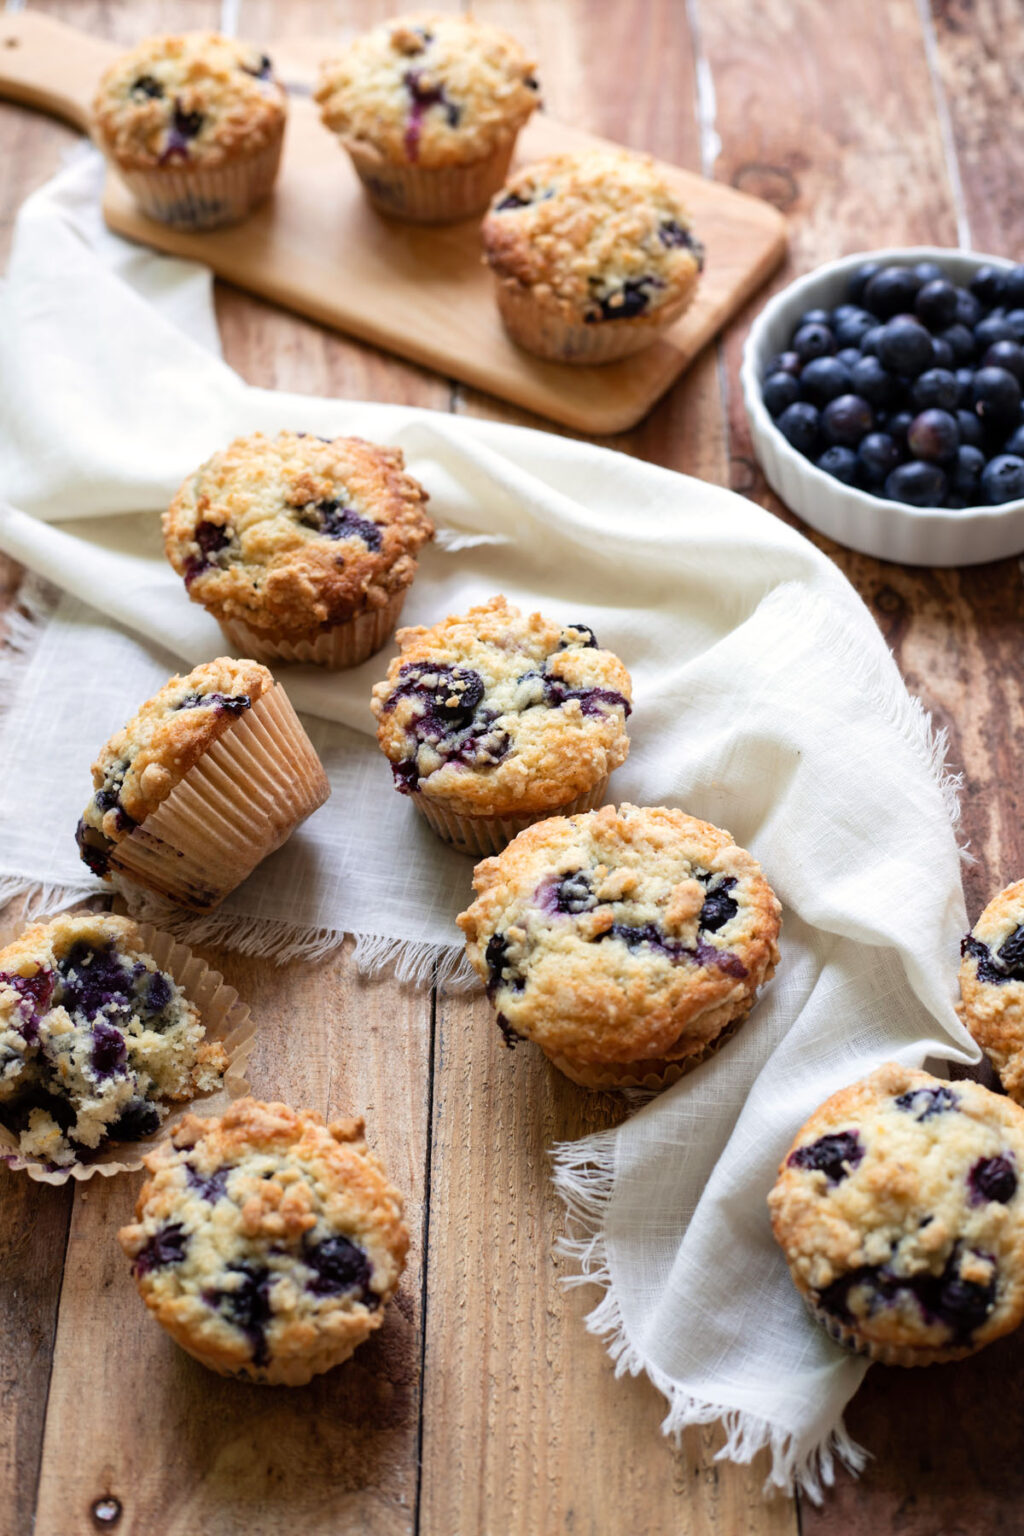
{"points": [[483, 1408]]}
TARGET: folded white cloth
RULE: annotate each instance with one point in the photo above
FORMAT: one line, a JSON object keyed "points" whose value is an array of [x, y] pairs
{"points": [[766, 702]]}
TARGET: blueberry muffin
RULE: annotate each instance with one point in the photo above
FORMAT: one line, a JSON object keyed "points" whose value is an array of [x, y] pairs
{"points": [[593, 255], [428, 107], [899, 1211], [992, 986], [213, 773], [302, 547], [626, 943], [266, 1242], [96, 1040], [194, 124], [492, 719]]}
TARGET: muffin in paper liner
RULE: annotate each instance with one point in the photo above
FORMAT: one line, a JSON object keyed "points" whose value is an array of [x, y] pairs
{"points": [[649, 1075], [266, 1242], [490, 834], [882, 1354], [548, 333], [426, 194], [199, 197], [338, 647], [225, 1018], [242, 799]]}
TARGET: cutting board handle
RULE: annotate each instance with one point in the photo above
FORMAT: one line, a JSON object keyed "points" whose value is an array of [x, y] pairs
{"points": [[50, 66]]}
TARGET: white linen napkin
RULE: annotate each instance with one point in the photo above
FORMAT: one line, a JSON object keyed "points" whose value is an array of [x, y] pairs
{"points": [[766, 702]]}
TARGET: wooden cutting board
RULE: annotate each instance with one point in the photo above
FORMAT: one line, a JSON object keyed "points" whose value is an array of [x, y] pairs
{"points": [[317, 246]]}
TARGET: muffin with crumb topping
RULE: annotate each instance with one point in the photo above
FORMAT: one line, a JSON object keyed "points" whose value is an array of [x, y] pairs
{"points": [[428, 107], [593, 254], [302, 547], [194, 123], [208, 777], [266, 1242], [493, 718]]}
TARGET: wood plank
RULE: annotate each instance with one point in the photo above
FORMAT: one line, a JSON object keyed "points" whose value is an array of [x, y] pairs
{"points": [[422, 292], [133, 1419], [861, 165], [521, 1409]]}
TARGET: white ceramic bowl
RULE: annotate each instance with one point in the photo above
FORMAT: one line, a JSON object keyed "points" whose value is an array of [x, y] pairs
{"points": [[888, 529]]}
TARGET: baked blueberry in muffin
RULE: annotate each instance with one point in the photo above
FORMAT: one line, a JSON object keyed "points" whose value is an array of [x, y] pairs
{"points": [[493, 718], [900, 1213], [266, 1242], [624, 943], [992, 986], [301, 547], [209, 776], [96, 1040], [428, 107], [593, 254], [194, 123]]}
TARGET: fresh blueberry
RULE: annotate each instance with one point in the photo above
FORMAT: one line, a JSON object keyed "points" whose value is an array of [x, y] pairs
{"points": [[936, 387], [988, 285], [846, 420], [814, 317], [166, 1246], [1008, 355], [872, 382], [992, 1178], [1015, 323], [851, 326], [834, 1156], [935, 304], [860, 279], [905, 346], [1013, 287], [869, 344], [923, 1103], [799, 424], [917, 484], [970, 428], [840, 463], [898, 425], [780, 389], [891, 291], [961, 342], [942, 353], [968, 310], [849, 357], [339, 1265], [933, 435], [964, 386], [784, 362], [813, 341], [1015, 443], [965, 474], [988, 331], [996, 395], [1002, 479], [928, 271], [823, 379], [879, 454]]}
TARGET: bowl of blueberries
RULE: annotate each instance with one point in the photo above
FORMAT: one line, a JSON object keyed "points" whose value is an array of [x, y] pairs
{"points": [[885, 392]]}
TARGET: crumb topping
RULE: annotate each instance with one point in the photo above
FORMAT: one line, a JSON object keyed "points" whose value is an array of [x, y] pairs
{"points": [[432, 89], [190, 98], [621, 935], [602, 235], [295, 533], [497, 712]]}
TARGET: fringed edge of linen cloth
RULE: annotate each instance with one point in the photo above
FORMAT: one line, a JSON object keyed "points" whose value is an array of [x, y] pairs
{"points": [[418, 964], [584, 1177]]}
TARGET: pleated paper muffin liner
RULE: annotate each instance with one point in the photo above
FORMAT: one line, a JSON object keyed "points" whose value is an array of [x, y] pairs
{"points": [[651, 1075], [240, 801], [224, 1017], [548, 334], [885, 1354], [491, 834], [343, 645], [425, 195], [205, 197]]}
